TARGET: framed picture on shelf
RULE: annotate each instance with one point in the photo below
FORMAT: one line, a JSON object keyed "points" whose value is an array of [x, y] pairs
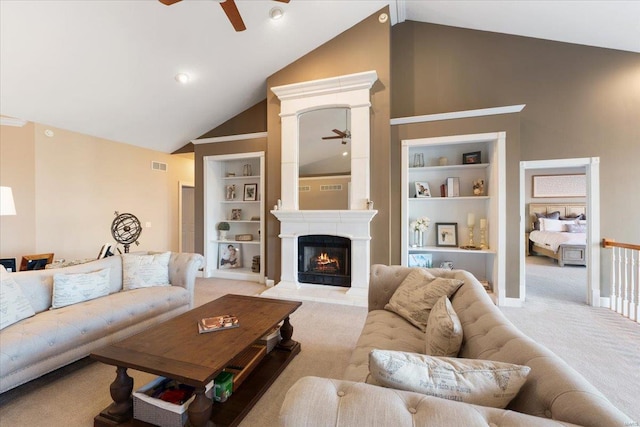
{"points": [[420, 260], [229, 256], [447, 234], [472, 158], [230, 192], [422, 189], [250, 192], [236, 214]]}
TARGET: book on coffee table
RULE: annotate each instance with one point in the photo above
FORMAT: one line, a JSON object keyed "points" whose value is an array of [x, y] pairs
{"points": [[217, 323]]}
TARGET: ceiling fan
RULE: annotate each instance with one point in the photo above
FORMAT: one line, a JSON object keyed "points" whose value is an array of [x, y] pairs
{"points": [[344, 136], [230, 8]]}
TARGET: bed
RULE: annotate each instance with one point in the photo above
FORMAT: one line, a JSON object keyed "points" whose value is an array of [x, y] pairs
{"points": [[558, 231]]}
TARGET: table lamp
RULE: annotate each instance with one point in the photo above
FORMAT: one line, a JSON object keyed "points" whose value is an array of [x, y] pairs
{"points": [[7, 207]]}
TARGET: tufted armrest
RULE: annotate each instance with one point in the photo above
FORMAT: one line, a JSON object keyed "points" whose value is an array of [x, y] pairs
{"points": [[183, 268], [323, 402]]}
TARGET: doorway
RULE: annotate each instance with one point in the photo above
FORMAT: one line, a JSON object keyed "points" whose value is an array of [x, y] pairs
{"points": [[590, 167], [186, 220]]}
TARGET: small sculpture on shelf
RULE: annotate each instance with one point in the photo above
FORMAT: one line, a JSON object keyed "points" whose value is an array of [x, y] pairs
{"points": [[231, 192]]}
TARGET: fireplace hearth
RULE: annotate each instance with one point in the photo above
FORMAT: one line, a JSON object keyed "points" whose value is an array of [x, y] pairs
{"points": [[324, 260]]}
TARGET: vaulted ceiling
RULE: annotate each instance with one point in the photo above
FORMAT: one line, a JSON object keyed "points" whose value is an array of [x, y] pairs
{"points": [[107, 68]]}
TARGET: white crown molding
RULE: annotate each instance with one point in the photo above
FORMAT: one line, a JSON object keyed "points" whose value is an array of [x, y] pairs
{"points": [[349, 82], [230, 138], [12, 121], [458, 114]]}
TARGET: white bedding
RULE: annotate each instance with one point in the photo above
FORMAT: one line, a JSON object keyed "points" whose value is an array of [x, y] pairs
{"points": [[553, 239]]}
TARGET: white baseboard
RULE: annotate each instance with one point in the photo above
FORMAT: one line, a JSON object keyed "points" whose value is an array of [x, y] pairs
{"points": [[512, 302]]}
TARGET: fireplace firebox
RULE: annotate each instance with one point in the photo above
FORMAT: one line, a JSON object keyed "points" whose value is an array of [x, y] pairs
{"points": [[324, 260]]}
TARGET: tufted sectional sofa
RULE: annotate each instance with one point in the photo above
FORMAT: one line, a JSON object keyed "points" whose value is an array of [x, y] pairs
{"points": [[553, 395], [54, 338]]}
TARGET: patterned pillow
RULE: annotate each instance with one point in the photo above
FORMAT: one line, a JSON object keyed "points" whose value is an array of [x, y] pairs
{"points": [[143, 271], [71, 289], [480, 382], [14, 306], [417, 294], [444, 330]]}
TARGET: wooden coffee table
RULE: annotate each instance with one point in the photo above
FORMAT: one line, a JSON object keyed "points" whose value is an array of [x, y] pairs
{"points": [[176, 350]]}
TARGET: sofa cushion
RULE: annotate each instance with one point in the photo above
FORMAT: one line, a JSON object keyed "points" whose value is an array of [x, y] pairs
{"points": [[444, 330], [71, 289], [14, 306], [143, 271], [480, 382], [417, 295], [382, 330]]}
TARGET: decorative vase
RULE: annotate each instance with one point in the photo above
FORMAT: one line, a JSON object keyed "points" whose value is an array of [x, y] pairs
{"points": [[223, 234], [418, 238]]}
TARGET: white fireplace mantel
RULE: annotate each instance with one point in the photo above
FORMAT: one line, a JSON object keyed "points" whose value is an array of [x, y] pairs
{"points": [[349, 91]]}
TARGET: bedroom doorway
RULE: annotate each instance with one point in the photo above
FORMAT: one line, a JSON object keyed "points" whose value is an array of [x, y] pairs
{"points": [[589, 167], [186, 220]]}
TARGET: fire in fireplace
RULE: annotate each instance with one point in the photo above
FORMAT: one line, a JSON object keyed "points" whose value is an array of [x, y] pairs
{"points": [[324, 260]]}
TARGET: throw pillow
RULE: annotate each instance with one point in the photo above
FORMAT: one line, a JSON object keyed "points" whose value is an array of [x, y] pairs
{"points": [[417, 294], [14, 306], [444, 330], [480, 382], [71, 289], [143, 271], [576, 228]]}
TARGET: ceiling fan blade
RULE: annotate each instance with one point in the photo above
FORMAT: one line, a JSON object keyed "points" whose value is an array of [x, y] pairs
{"points": [[230, 8], [339, 132], [283, 1], [169, 2], [332, 137]]}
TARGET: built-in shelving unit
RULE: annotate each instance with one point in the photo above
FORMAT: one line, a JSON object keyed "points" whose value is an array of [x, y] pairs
{"points": [[423, 161], [231, 256]]}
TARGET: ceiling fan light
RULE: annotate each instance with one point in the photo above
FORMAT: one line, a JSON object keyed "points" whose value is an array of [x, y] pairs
{"points": [[182, 78], [276, 13]]}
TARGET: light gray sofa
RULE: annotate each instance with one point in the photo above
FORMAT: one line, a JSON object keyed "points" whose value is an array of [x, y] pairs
{"points": [[54, 338], [554, 394]]}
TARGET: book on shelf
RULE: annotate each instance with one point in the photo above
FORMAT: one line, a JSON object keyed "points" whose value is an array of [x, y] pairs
{"points": [[217, 323]]}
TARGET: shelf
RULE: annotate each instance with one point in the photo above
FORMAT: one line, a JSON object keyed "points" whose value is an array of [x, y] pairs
{"points": [[242, 177], [449, 250], [449, 167], [252, 221], [440, 199], [239, 201], [248, 242]]}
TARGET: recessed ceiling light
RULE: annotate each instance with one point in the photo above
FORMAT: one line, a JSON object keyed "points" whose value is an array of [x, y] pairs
{"points": [[49, 133], [276, 13], [182, 78], [345, 153], [383, 18]]}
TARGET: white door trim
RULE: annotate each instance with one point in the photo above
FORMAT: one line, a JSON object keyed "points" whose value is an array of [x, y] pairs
{"points": [[592, 170], [181, 185]]}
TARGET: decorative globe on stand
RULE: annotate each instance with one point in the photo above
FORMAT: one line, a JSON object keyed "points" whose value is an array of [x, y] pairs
{"points": [[126, 229]]}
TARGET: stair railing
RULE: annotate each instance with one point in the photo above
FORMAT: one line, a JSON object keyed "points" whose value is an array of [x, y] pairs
{"points": [[625, 278]]}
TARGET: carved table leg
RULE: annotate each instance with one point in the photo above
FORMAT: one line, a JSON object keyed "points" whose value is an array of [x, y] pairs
{"points": [[286, 331], [200, 409], [122, 407]]}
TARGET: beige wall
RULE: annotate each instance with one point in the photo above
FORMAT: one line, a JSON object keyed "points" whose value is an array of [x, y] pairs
{"points": [[73, 183]]}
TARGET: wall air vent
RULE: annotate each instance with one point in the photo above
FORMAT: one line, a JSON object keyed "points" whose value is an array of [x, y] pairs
{"points": [[158, 166], [331, 187], [305, 188]]}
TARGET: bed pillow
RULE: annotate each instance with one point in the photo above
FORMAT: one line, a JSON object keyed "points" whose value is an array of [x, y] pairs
{"points": [[14, 306], [144, 271], [480, 382], [71, 289], [444, 330], [417, 294], [555, 224], [552, 215]]}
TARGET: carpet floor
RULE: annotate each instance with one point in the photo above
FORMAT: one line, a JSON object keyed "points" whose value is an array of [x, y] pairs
{"points": [[598, 343]]}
